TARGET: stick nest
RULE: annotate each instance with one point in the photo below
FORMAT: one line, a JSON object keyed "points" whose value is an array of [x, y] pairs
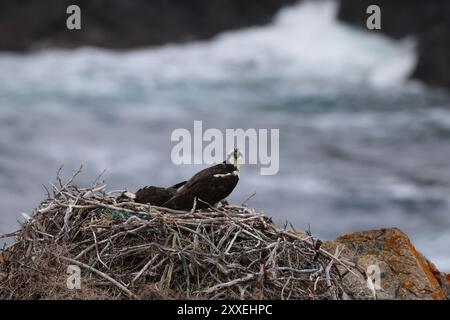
{"points": [[135, 251]]}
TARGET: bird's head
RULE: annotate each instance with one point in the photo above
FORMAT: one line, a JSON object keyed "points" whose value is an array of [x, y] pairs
{"points": [[234, 157]]}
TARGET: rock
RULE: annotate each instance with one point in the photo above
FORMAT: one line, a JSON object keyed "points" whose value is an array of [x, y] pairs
{"points": [[433, 66], [445, 278], [122, 24], [404, 272], [426, 20]]}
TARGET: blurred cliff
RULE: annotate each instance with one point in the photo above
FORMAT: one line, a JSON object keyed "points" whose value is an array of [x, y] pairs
{"points": [[27, 24], [427, 20]]}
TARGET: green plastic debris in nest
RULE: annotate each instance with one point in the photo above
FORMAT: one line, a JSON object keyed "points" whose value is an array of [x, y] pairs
{"points": [[115, 214]]}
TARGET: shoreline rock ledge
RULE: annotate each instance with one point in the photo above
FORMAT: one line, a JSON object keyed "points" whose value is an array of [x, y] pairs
{"points": [[404, 272]]}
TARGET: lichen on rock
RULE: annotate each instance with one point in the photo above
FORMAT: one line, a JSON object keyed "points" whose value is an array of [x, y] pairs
{"points": [[404, 272]]}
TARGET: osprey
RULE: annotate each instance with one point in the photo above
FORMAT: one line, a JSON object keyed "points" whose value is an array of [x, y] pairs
{"points": [[210, 185], [155, 196]]}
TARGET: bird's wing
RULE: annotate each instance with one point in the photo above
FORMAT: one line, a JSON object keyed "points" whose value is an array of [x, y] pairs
{"points": [[207, 185], [178, 185]]}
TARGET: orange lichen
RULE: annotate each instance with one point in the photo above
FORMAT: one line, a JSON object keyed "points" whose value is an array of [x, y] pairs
{"points": [[408, 284], [395, 241], [438, 293], [402, 258]]}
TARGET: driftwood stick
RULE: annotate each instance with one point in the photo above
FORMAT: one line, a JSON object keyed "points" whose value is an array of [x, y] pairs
{"points": [[147, 265], [230, 283]]}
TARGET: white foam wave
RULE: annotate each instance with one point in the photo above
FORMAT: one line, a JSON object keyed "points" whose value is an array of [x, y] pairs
{"points": [[305, 42]]}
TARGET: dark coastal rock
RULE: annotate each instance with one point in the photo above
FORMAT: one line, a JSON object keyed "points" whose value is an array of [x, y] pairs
{"points": [[427, 20], [28, 24]]}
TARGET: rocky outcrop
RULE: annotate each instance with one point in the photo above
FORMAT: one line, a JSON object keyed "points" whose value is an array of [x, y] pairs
{"points": [[403, 272], [427, 20], [121, 24]]}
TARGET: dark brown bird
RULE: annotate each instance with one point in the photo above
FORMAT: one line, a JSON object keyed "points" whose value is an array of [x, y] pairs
{"points": [[156, 196], [209, 186]]}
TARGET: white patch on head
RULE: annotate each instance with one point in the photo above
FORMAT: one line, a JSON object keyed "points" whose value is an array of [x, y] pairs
{"points": [[236, 161], [239, 161], [230, 157]]}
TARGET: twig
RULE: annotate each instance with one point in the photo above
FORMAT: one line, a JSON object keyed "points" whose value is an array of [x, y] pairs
{"points": [[219, 286], [248, 198], [104, 275]]}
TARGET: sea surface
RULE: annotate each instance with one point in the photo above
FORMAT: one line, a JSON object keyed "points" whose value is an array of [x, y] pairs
{"points": [[361, 146]]}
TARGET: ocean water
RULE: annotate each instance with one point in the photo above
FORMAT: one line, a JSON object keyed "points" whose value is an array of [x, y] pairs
{"points": [[361, 146]]}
